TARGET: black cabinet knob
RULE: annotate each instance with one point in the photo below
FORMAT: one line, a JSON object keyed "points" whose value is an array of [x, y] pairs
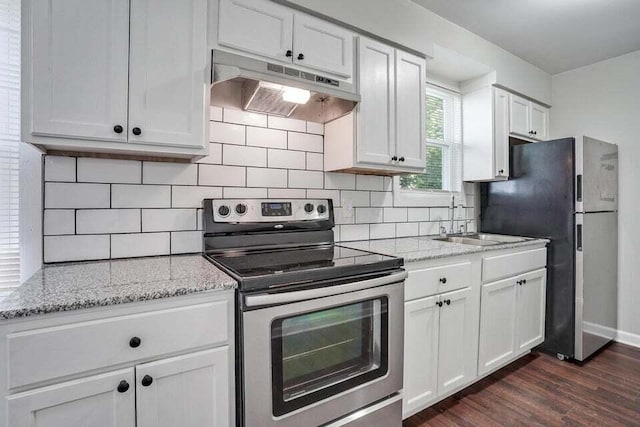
{"points": [[501, 171], [524, 282], [520, 282], [394, 158], [322, 209], [118, 129], [448, 302], [146, 380], [535, 132], [300, 57], [289, 54], [439, 303], [308, 208], [123, 386], [135, 342], [401, 159], [443, 280], [136, 131]]}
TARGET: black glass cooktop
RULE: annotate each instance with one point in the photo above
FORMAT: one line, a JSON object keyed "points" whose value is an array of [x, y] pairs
{"points": [[275, 268]]}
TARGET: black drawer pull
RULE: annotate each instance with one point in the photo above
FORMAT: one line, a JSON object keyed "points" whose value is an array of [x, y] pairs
{"points": [[146, 380], [135, 342], [123, 386], [443, 280]]}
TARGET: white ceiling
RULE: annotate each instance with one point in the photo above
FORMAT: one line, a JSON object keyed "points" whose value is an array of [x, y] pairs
{"points": [[555, 35]]}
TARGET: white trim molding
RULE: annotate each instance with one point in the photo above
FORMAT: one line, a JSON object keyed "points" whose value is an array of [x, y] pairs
{"points": [[628, 338]]}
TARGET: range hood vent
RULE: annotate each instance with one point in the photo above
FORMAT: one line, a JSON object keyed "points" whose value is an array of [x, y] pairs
{"points": [[259, 86]]}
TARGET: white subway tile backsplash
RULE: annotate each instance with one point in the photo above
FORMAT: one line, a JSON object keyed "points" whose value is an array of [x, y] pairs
{"points": [[140, 196], [350, 233], [418, 214], [169, 173], [244, 118], [340, 181], [244, 156], [262, 137], [285, 159], [315, 161], [215, 113], [107, 221], [325, 194], [168, 220], [306, 179], [287, 193], [227, 133], [76, 248], [316, 128], [369, 182], [215, 155], [191, 197], [244, 193], [112, 171], [407, 229], [354, 199], [387, 184], [382, 231], [222, 175], [429, 228], [395, 214], [139, 244], [343, 215], [60, 168], [200, 219], [436, 214], [262, 177], [186, 242], [59, 221], [70, 195], [381, 198], [305, 142], [368, 215], [286, 123]]}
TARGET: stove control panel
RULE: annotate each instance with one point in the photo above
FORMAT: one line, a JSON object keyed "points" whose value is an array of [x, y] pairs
{"points": [[269, 210]]}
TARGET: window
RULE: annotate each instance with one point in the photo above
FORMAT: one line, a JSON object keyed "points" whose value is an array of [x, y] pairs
{"points": [[443, 145], [9, 143]]}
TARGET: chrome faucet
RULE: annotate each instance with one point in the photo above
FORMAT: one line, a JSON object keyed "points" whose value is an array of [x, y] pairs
{"points": [[452, 210]]}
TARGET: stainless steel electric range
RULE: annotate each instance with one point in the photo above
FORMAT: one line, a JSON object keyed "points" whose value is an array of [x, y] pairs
{"points": [[319, 326]]}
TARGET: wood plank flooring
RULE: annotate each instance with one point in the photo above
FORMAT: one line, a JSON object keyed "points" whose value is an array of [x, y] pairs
{"points": [[540, 390]]}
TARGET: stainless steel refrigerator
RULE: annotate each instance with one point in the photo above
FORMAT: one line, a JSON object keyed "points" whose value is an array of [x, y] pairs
{"points": [[566, 190]]}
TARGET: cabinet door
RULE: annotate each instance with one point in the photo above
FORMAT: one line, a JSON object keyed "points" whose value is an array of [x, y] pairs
{"points": [[256, 26], [376, 111], [531, 309], [501, 133], [497, 324], [539, 122], [420, 354], [189, 390], [457, 342], [88, 402], [410, 110], [80, 68], [321, 45], [519, 115], [167, 82]]}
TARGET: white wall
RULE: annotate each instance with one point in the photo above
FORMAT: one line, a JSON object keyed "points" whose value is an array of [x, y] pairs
{"points": [[602, 100], [30, 211], [415, 27]]}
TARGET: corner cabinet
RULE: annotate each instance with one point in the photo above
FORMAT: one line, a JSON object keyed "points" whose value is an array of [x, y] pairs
{"points": [[385, 133], [107, 76]]}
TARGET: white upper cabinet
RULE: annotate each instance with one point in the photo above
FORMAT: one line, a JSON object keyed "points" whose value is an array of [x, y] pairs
{"points": [[167, 94], [321, 45], [79, 52], [257, 26], [528, 119], [376, 111], [267, 29], [410, 109]]}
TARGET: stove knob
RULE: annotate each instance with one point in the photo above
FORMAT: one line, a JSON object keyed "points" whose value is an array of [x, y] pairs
{"points": [[223, 210], [308, 208], [322, 209], [241, 209]]}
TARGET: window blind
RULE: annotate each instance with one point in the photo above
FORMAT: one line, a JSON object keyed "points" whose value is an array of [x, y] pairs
{"points": [[9, 144]]}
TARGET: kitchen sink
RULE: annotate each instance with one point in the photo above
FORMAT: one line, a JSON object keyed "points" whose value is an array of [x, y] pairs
{"points": [[480, 239]]}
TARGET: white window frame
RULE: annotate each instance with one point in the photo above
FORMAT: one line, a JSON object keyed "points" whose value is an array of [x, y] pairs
{"points": [[409, 198]]}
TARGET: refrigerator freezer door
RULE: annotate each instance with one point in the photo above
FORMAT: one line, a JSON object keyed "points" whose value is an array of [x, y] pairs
{"points": [[596, 281], [596, 175]]}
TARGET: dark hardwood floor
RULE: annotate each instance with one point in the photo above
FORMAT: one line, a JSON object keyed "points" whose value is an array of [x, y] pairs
{"points": [[540, 390]]}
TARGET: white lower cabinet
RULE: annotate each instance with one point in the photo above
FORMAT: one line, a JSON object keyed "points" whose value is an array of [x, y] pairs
{"points": [[106, 400], [511, 319]]}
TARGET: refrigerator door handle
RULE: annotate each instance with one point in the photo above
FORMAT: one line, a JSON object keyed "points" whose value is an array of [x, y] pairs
{"points": [[579, 237], [579, 187]]}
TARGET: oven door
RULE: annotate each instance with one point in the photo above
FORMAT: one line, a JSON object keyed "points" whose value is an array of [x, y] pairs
{"points": [[318, 358]]}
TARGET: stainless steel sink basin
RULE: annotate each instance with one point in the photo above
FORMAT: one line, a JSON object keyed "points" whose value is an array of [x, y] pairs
{"points": [[479, 239]]}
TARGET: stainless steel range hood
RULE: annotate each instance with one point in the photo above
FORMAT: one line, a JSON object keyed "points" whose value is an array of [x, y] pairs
{"points": [[254, 85]]}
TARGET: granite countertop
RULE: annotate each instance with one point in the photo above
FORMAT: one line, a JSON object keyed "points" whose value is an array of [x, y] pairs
{"points": [[72, 286], [424, 248]]}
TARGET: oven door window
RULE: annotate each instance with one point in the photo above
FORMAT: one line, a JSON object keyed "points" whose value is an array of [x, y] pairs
{"points": [[319, 354]]}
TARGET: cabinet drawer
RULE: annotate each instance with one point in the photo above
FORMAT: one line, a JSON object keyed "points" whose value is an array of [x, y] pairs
{"points": [[431, 281], [43, 354], [501, 266]]}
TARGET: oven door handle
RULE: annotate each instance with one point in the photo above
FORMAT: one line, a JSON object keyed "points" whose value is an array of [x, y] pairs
{"points": [[287, 297]]}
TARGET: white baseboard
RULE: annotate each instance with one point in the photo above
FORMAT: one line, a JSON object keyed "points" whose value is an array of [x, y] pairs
{"points": [[628, 338]]}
